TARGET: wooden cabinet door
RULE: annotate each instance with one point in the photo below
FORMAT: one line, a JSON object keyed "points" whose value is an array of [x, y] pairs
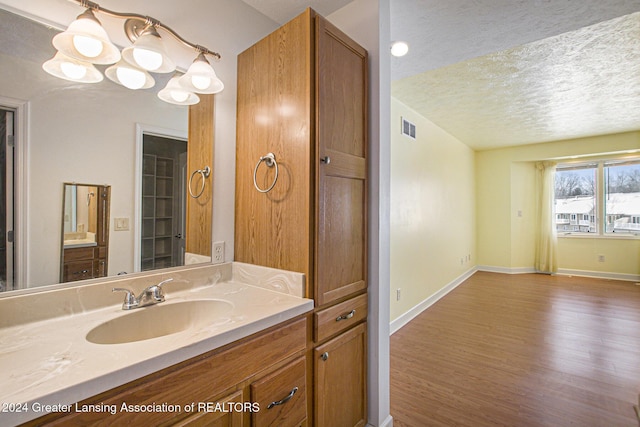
{"points": [[341, 245], [340, 386], [281, 397], [217, 419]]}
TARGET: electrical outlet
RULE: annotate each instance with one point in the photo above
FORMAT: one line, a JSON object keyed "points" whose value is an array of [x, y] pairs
{"points": [[398, 294], [218, 252]]}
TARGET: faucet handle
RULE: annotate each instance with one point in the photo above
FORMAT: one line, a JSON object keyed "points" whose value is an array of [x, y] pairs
{"points": [[130, 300], [158, 294], [170, 279]]}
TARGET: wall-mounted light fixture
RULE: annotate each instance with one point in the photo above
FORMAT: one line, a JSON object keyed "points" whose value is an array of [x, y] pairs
{"points": [[85, 43]]}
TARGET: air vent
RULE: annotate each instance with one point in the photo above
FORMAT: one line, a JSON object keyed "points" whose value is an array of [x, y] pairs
{"points": [[408, 128]]}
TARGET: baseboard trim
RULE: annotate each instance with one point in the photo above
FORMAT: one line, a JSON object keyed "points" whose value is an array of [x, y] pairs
{"points": [[600, 274], [506, 270], [563, 272], [398, 323], [388, 422]]}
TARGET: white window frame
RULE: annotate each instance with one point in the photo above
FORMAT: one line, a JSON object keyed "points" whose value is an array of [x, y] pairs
{"points": [[600, 196]]}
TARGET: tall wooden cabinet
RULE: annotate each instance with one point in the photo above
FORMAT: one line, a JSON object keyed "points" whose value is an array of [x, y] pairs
{"points": [[302, 96]]}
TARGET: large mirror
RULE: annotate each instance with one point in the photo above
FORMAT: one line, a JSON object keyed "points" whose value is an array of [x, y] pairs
{"points": [[76, 133]]}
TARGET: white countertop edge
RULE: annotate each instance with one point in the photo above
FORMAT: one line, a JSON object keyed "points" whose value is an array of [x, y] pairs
{"points": [[100, 384]]}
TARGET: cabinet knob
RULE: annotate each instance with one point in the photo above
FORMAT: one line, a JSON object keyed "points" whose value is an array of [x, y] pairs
{"points": [[326, 160], [325, 356]]}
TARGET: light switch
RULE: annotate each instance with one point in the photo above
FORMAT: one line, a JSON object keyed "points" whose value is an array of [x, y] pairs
{"points": [[121, 224]]}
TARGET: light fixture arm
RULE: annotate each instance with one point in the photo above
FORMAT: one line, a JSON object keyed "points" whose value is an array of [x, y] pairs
{"points": [[133, 31]]}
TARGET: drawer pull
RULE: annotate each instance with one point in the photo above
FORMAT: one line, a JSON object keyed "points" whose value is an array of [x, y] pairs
{"points": [[284, 400], [81, 272], [349, 315], [324, 356]]}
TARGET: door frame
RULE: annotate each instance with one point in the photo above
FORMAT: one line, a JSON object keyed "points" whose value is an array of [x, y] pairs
{"points": [[141, 130], [21, 184]]}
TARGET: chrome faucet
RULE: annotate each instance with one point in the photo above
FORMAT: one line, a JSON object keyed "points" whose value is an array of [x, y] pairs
{"points": [[151, 295]]}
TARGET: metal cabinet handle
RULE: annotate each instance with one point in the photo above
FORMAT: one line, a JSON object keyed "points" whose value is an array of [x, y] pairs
{"points": [[284, 400], [324, 356], [326, 160], [349, 315]]}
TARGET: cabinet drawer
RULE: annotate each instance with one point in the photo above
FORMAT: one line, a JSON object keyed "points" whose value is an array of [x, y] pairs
{"points": [[340, 317], [78, 270], [281, 396], [77, 254]]}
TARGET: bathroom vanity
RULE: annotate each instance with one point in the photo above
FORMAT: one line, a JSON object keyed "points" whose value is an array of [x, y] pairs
{"points": [[160, 364]]}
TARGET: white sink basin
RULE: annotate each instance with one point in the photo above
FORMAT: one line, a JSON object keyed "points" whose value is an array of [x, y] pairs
{"points": [[160, 320]]}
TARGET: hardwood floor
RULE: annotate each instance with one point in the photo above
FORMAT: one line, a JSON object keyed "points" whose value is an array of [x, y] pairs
{"points": [[521, 350]]}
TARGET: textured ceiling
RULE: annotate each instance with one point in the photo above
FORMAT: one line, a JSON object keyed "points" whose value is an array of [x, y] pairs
{"points": [[497, 73], [581, 83], [442, 33]]}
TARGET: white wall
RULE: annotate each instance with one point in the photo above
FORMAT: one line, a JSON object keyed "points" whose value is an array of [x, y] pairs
{"points": [[432, 210], [505, 182]]}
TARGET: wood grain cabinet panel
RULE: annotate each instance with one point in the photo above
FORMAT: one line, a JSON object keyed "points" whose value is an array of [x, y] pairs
{"points": [[281, 397], [341, 379], [302, 96], [217, 419], [339, 317]]}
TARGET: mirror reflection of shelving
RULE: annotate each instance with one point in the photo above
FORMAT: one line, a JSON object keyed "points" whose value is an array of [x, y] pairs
{"points": [[157, 212]]}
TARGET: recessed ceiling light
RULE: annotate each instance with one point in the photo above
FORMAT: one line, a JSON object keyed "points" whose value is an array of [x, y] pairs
{"points": [[399, 48]]}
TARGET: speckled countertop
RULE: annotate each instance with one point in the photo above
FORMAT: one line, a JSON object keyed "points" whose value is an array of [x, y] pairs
{"points": [[49, 362]]}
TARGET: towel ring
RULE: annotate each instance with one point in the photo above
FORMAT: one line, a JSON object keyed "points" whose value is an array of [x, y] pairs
{"points": [[205, 174], [270, 161]]}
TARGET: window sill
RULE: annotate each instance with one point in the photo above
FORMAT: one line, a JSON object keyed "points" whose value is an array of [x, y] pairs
{"points": [[599, 236]]}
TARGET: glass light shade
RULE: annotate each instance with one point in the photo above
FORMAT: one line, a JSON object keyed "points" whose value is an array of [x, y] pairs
{"points": [[129, 76], [86, 40], [201, 78], [71, 69], [148, 53], [87, 46], [174, 93]]}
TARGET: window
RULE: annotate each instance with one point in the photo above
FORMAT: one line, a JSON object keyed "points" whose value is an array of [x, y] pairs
{"points": [[575, 188], [622, 196], [601, 198]]}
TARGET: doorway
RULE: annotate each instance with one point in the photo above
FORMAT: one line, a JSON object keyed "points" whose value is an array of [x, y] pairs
{"points": [[7, 159], [164, 163]]}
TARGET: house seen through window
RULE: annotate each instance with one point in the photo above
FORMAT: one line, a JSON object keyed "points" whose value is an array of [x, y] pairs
{"points": [[601, 198]]}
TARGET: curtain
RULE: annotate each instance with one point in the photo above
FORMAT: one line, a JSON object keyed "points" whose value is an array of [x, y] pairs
{"points": [[546, 234]]}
